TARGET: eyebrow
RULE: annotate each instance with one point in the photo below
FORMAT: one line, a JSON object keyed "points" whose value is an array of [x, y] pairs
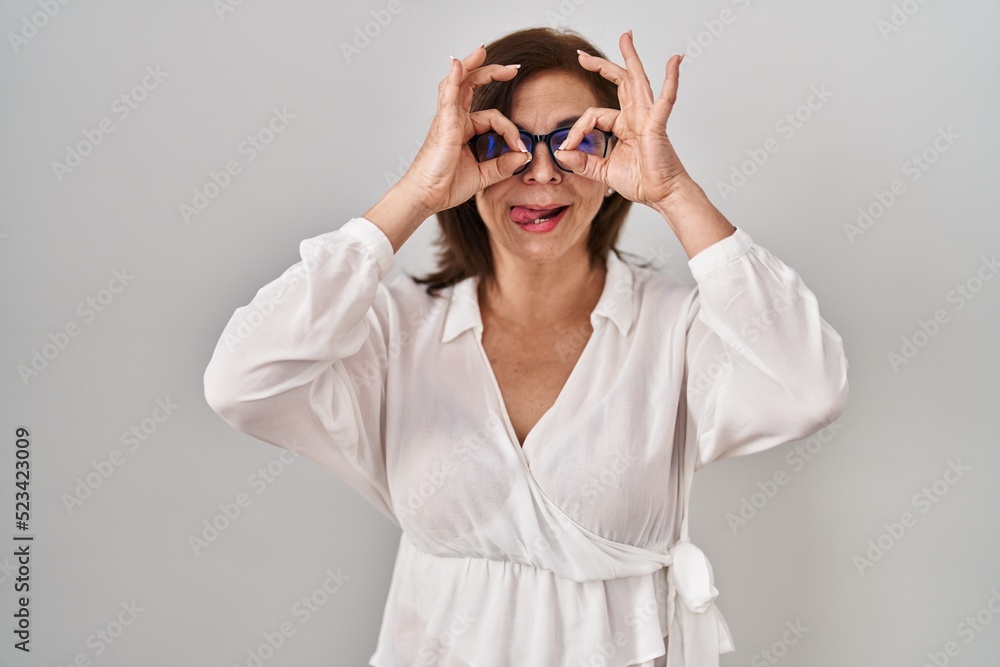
{"points": [[559, 123]]}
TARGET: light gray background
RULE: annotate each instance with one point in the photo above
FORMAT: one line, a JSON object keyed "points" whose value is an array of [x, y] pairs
{"points": [[356, 124]]}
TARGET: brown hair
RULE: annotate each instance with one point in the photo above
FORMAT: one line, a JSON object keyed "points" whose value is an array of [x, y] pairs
{"points": [[464, 245]]}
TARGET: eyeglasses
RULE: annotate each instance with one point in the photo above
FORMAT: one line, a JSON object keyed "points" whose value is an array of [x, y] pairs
{"points": [[492, 145]]}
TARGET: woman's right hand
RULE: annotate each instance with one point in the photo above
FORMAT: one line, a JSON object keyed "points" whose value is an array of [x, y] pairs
{"points": [[444, 172]]}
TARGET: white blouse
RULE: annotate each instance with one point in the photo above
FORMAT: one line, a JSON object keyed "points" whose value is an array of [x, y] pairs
{"points": [[573, 549]]}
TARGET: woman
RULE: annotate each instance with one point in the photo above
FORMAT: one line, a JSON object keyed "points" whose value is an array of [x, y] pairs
{"points": [[532, 418]]}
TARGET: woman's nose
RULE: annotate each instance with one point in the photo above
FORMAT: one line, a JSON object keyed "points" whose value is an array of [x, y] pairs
{"points": [[543, 164]]}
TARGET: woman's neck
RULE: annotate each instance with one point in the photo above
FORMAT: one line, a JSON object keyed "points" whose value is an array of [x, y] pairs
{"points": [[535, 294]]}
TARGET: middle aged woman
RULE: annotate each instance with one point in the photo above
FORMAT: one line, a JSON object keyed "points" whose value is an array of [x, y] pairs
{"points": [[533, 417]]}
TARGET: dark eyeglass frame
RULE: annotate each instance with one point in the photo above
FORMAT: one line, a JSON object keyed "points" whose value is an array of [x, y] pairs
{"points": [[531, 140]]}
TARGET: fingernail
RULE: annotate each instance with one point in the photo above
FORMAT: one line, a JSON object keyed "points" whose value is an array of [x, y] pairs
{"points": [[562, 145], [630, 32], [518, 65], [520, 144], [452, 57], [582, 53]]}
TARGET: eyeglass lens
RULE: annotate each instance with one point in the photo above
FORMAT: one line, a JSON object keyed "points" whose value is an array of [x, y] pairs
{"points": [[492, 145]]}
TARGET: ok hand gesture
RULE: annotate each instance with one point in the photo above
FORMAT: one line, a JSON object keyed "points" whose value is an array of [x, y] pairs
{"points": [[642, 166], [445, 173]]}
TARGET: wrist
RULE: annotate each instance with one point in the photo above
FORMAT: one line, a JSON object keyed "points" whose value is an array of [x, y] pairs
{"points": [[398, 214], [413, 197], [693, 218], [683, 194]]}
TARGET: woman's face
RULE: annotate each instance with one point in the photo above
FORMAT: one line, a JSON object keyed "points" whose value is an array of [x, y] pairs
{"points": [[546, 101]]}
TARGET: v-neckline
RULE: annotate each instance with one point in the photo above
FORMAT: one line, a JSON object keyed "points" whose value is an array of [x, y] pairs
{"points": [[511, 433], [567, 385]]}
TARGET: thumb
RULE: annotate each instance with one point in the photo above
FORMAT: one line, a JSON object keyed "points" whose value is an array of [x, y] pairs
{"points": [[503, 167], [581, 163]]}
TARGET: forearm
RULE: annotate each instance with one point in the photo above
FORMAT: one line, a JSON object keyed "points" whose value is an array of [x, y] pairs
{"points": [[398, 214], [693, 218]]}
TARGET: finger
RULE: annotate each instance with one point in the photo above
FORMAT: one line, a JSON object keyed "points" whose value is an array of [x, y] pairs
{"points": [[475, 59], [601, 118], [481, 76], [450, 86], [636, 73], [584, 164], [610, 71], [491, 119], [462, 97], [668, 95], [448, 92], [488, 73], [498, 169]]}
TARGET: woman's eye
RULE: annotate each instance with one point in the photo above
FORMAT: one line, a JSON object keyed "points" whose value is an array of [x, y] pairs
{"points": [[495, 144]]}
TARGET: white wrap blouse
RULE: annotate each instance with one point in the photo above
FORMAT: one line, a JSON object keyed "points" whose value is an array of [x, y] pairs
{"points": [[572, 550]]}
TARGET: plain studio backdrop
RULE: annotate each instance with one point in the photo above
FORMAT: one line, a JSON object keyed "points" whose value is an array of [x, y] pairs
{"points": [[161, 163]]}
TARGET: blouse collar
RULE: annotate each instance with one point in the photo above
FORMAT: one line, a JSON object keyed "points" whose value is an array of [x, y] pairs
{"points": [[617, 302]]}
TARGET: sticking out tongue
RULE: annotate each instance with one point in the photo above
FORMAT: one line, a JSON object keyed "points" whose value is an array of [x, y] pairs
{"points": [[523, 215]]}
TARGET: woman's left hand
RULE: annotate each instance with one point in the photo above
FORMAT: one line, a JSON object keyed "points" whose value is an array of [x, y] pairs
{"points": [[642, 165]]}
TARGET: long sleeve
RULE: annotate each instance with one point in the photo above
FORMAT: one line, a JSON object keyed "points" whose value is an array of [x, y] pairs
{"points": [[302, 366], [763, 367]]}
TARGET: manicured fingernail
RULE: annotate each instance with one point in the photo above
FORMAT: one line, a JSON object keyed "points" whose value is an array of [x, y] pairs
{"points": [[520, 144], [518, 65], [630, 32], [452, 58], [562, 145], [582, 53]]}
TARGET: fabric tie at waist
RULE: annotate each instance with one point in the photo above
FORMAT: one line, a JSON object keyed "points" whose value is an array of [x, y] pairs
{"points": [[697, 631]]}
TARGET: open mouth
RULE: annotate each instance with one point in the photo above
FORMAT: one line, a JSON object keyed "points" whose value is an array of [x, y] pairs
{"points": [[536, 218]]}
